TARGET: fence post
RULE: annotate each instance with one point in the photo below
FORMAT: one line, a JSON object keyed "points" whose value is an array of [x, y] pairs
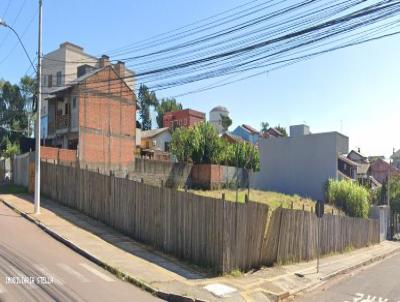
{"points": [[142, 180], [186, 188], [246, 198], [162, 183], [303, 206], [292, 205], [223, 196]]}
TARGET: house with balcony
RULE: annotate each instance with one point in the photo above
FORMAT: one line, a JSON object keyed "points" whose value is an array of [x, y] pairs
{"points": [[95, 115], [62, 67]]}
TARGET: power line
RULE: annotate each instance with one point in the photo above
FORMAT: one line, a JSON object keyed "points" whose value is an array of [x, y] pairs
{"points": [[13, 22]]}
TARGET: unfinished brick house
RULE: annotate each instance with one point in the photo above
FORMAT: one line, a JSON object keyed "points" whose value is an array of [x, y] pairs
{"points": [[95, 115]]}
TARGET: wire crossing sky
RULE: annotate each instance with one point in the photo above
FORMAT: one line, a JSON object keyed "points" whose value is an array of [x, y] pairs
{"points": [[331, 64]]}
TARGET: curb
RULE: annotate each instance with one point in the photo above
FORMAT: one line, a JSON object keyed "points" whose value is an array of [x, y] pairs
{"points": [[343, 271], [356, 266], [113, 270]]}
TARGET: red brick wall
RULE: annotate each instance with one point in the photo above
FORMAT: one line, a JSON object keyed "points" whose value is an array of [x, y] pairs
{"points": [[49, 153], [57, 154], [183, 118], [107, 122]]}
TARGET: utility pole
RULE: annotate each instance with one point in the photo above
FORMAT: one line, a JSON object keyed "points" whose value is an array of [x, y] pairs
{"points": [[38, 114]]}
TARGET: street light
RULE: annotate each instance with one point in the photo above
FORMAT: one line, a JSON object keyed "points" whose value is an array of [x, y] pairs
{"points": [[3, 23], [39, 99]]}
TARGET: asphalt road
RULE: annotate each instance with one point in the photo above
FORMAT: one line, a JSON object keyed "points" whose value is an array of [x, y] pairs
{"points": [[379, 282], [36, 267]]}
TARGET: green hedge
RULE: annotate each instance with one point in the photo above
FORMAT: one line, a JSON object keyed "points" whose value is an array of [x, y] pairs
{"points": [[352, 198]]}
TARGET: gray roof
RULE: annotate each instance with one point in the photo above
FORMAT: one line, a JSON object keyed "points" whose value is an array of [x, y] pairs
{"points": [[344, 158], [154, 132], [220, 108]]}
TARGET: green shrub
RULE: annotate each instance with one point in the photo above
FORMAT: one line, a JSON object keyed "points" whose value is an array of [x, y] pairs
{"points": [[352, 198]]}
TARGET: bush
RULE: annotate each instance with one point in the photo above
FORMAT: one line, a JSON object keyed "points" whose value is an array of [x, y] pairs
{"points": [[352, 198]]}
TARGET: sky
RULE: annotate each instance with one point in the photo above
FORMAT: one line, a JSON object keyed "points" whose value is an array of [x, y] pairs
{"points": [[355, 91]]}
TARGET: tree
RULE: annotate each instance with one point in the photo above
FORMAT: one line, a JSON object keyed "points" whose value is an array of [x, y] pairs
{"points": [[184, 142], [202, 145], [226, 122], [13, 113], [264, 127], [147, 100], [209, 149], [11, 149], [282, 130], [164, 106], [394, 196]]}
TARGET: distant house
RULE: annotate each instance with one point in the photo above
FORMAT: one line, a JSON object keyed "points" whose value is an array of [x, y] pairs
{"points": [[380, 170], [396, 159], [231, 138], [247, 133], [157, 139], [272, 132], [216, 117], [183, 118], [362, 161], [303, 162], [95, 120], [347, 169]]}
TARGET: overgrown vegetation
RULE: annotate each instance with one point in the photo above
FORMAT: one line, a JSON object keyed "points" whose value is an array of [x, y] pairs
{"points": [[349, 196], [201, 144], [272, 199]]}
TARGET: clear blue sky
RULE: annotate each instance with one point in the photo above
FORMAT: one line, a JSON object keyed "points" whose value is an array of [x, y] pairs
{"points": [[356, 90]]}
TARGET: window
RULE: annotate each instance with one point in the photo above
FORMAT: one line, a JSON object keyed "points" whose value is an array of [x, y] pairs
{"points": [[74, 102], [166, 146], [59, 78], [50, 80], [66, 109]]}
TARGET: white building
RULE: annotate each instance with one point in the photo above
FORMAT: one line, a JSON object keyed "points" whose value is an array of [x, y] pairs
{"points": [[216, 119]]}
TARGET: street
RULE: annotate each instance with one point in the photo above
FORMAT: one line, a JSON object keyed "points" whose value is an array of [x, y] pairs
{"points": [[36, 267], [376, 283]]}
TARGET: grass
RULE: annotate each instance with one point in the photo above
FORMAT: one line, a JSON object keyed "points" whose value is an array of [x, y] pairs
{"points": [[272, 199], [12, 189]]}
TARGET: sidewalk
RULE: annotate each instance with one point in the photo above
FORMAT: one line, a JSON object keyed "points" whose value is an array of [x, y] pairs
{"points": [[174, 280]]}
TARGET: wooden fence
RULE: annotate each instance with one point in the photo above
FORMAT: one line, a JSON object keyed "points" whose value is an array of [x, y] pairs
{"points": [[210, 232], [292, 235], [214, 233]]}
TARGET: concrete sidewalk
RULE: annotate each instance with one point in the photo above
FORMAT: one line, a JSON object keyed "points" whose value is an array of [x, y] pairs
{"points": [[174, 280]]}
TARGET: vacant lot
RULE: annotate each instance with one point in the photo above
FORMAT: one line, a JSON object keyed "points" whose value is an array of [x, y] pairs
{"points": [[273, 199]]}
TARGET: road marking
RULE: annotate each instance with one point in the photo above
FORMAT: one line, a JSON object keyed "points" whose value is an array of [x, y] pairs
{"points": [[50, 276], [97, 273], [73, 272], [360, 297], [220, 290]]}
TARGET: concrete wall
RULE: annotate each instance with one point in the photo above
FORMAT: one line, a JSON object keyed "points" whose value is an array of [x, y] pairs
{"points": [[299, 165], [20, 168], [382, 213]]}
